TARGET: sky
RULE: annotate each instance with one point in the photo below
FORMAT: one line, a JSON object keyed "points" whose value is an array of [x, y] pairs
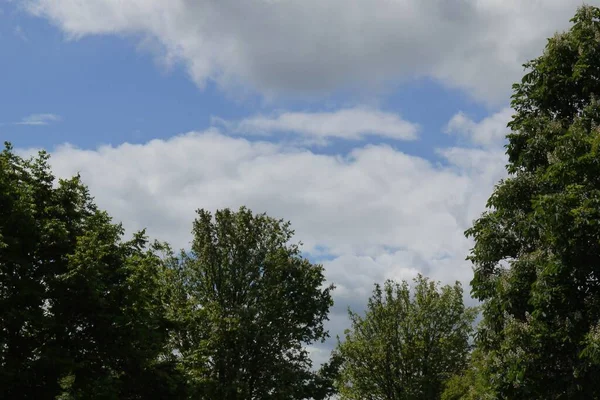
{"points": [[376, 127]]}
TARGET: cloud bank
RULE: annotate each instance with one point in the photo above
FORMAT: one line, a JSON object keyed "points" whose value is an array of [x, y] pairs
{"points": [[375, 213], [314, 47]]}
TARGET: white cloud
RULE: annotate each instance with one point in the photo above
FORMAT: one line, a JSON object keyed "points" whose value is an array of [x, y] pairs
{"points": [[315, 46], [39, 119], [352, 123], [376, 213], [490, 131]]}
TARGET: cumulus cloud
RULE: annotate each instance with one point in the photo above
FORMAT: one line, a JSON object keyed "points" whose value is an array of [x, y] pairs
{"points": [[364, 203], [490, 131], [352, 123], [373, 214], [314, 46], [39, 119]]}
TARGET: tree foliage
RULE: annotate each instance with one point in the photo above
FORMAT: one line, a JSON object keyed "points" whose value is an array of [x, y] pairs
{"points": [[405, 347], [81, 310], [470, 384], [253, 304], [537, 249], [88, 315]]}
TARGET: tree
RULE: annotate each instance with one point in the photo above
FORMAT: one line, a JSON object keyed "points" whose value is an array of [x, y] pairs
{"points": [[82, 312], [469, 384], [405, 347], [250, 305], [537, 248]]}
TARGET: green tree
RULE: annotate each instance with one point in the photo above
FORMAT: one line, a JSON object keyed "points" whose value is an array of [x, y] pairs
{"points": [[469, 384], [537, 248], [405, 347], [81, 311], [250, 305]]}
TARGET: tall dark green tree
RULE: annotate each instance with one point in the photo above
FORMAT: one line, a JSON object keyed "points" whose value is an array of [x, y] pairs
{"points": [[250, 305], [537, 248], [81, 311], [406, 346]]}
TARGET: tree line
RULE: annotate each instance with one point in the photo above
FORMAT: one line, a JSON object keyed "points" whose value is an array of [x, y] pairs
{"points": [[87, 313]]}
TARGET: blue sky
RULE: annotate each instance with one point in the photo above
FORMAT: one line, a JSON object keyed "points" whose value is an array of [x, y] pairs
{"points": [[108, 91], [376, 127], [105, 90]]}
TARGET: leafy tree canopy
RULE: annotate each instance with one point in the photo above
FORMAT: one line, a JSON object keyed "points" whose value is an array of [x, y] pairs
{"points": [[405, 347], [537, 248], [252, 304], [82, 310]]}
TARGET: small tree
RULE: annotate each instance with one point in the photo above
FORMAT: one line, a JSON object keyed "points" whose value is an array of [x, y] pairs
{"points": [[469, 384], [405, 347], [251, 305]]}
